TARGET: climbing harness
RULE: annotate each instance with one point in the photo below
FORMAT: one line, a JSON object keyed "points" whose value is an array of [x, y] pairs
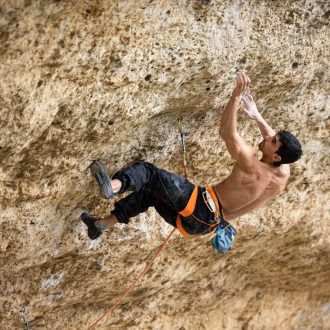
{"points": [[211, 201]]}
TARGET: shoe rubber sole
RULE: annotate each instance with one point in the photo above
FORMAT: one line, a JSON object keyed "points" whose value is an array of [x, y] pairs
{"points": [[100, 173]]}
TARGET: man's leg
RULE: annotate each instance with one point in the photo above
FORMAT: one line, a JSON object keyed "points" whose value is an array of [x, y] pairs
{"points": [[126, 208], [151, 186], [172, 189], [109, 221], [116, 185]]}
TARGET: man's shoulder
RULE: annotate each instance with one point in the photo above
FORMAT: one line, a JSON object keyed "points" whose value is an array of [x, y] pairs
{"points": [[283, 175], [251, 161], [284, 171]]}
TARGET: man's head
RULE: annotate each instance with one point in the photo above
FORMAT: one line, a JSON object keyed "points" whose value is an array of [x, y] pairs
{"points": [[282, 148]]}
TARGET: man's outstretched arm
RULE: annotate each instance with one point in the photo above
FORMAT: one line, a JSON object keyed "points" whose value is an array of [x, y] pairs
{"points": [[228, 130], [228, 127], [252, 111]]}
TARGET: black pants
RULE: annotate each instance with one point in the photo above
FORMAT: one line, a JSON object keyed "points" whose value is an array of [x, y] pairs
{"points": [[167, 192]]}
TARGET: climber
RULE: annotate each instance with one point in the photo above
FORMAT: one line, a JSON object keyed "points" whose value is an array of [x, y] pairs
{"points": [[250, 185]]}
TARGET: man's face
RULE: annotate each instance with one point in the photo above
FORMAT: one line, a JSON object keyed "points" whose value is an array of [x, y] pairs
{"points": [[270, 145]]}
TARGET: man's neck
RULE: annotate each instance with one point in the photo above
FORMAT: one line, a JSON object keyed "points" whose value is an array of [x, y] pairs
{"points": [[266, 160]]}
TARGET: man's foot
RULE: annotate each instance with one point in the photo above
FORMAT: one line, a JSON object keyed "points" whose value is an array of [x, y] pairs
{"points": [[100, 173], [93, 231]]}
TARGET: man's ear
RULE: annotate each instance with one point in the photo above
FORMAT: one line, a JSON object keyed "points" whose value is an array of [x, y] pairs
{"points": [[276, 158]]}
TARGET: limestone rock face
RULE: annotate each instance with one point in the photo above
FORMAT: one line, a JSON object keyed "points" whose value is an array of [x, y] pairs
{"points": [[86, 79]]}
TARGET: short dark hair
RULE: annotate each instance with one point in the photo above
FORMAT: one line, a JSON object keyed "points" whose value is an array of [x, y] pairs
{"points": [[290, 150]]}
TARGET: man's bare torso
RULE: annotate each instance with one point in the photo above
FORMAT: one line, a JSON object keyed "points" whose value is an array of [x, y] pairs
{"points": [[244, 190]]}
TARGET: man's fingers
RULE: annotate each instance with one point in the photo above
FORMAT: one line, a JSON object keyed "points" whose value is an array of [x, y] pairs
{"points": [[249, 96], [245, 79], [246, 99], [239, 79], [242, 81], [248, 81], [247, 112]]}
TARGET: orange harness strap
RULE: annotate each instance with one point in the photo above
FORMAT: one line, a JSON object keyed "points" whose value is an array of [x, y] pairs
{"points": [[180, 227], [187, 211], [190, 207]]}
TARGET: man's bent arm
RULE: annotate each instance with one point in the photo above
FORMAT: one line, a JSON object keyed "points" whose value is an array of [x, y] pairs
{"points": [[228, 126], [252, 111], [228, 131]]}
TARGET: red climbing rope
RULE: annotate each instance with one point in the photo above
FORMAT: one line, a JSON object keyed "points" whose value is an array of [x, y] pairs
{"points": [[129, 289]]}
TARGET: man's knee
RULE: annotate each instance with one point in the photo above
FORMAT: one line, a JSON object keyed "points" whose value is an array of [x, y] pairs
{"points": [[135, 176]]}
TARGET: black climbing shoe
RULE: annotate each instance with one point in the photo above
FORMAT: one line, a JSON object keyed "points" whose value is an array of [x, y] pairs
{"points": [[93, 232], [100, 173]]}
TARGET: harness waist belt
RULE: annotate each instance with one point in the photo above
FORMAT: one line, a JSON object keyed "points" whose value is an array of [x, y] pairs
{"points": [[191, 205]]}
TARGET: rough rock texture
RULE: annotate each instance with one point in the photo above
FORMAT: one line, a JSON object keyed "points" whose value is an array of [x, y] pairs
{"points": [[108, 79]]}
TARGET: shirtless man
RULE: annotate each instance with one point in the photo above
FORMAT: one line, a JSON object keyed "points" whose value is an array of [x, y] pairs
{"points": [[251, 184]]}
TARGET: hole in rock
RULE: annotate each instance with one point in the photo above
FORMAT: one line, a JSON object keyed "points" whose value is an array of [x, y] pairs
{"points": [[147, 77]]}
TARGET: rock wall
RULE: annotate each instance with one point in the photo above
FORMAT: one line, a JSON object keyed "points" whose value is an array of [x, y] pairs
{"points": [[86, 79]]}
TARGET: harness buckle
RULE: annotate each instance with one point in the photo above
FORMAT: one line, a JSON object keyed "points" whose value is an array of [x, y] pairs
{"points": [[209, 202]]}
